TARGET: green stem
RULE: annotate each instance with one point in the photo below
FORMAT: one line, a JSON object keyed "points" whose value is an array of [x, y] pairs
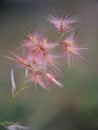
{"points": [[62, 35], [14, 97]]}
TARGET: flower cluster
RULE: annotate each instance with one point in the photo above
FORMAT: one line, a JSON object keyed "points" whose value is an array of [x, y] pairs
{"points": [[39, 58]]}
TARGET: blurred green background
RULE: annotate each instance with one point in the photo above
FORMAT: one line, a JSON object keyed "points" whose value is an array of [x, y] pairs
{"points": [[74, 107]]}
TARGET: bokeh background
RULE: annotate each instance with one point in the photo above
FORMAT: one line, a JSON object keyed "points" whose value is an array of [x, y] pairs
{"points": [[74, 107]]}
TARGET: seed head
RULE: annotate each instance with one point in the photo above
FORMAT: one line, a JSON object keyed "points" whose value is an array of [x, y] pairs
{"points": [[38, 59], [70, 48], [63, 24]]}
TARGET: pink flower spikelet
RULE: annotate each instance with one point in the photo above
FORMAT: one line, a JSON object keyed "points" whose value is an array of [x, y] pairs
{"points": [[39, 59], [63, 24], [70, 48]]}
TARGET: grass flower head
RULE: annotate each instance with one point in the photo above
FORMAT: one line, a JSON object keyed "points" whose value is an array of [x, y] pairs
{"points": [[40, 58], [63, 24], [70, 48]]}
